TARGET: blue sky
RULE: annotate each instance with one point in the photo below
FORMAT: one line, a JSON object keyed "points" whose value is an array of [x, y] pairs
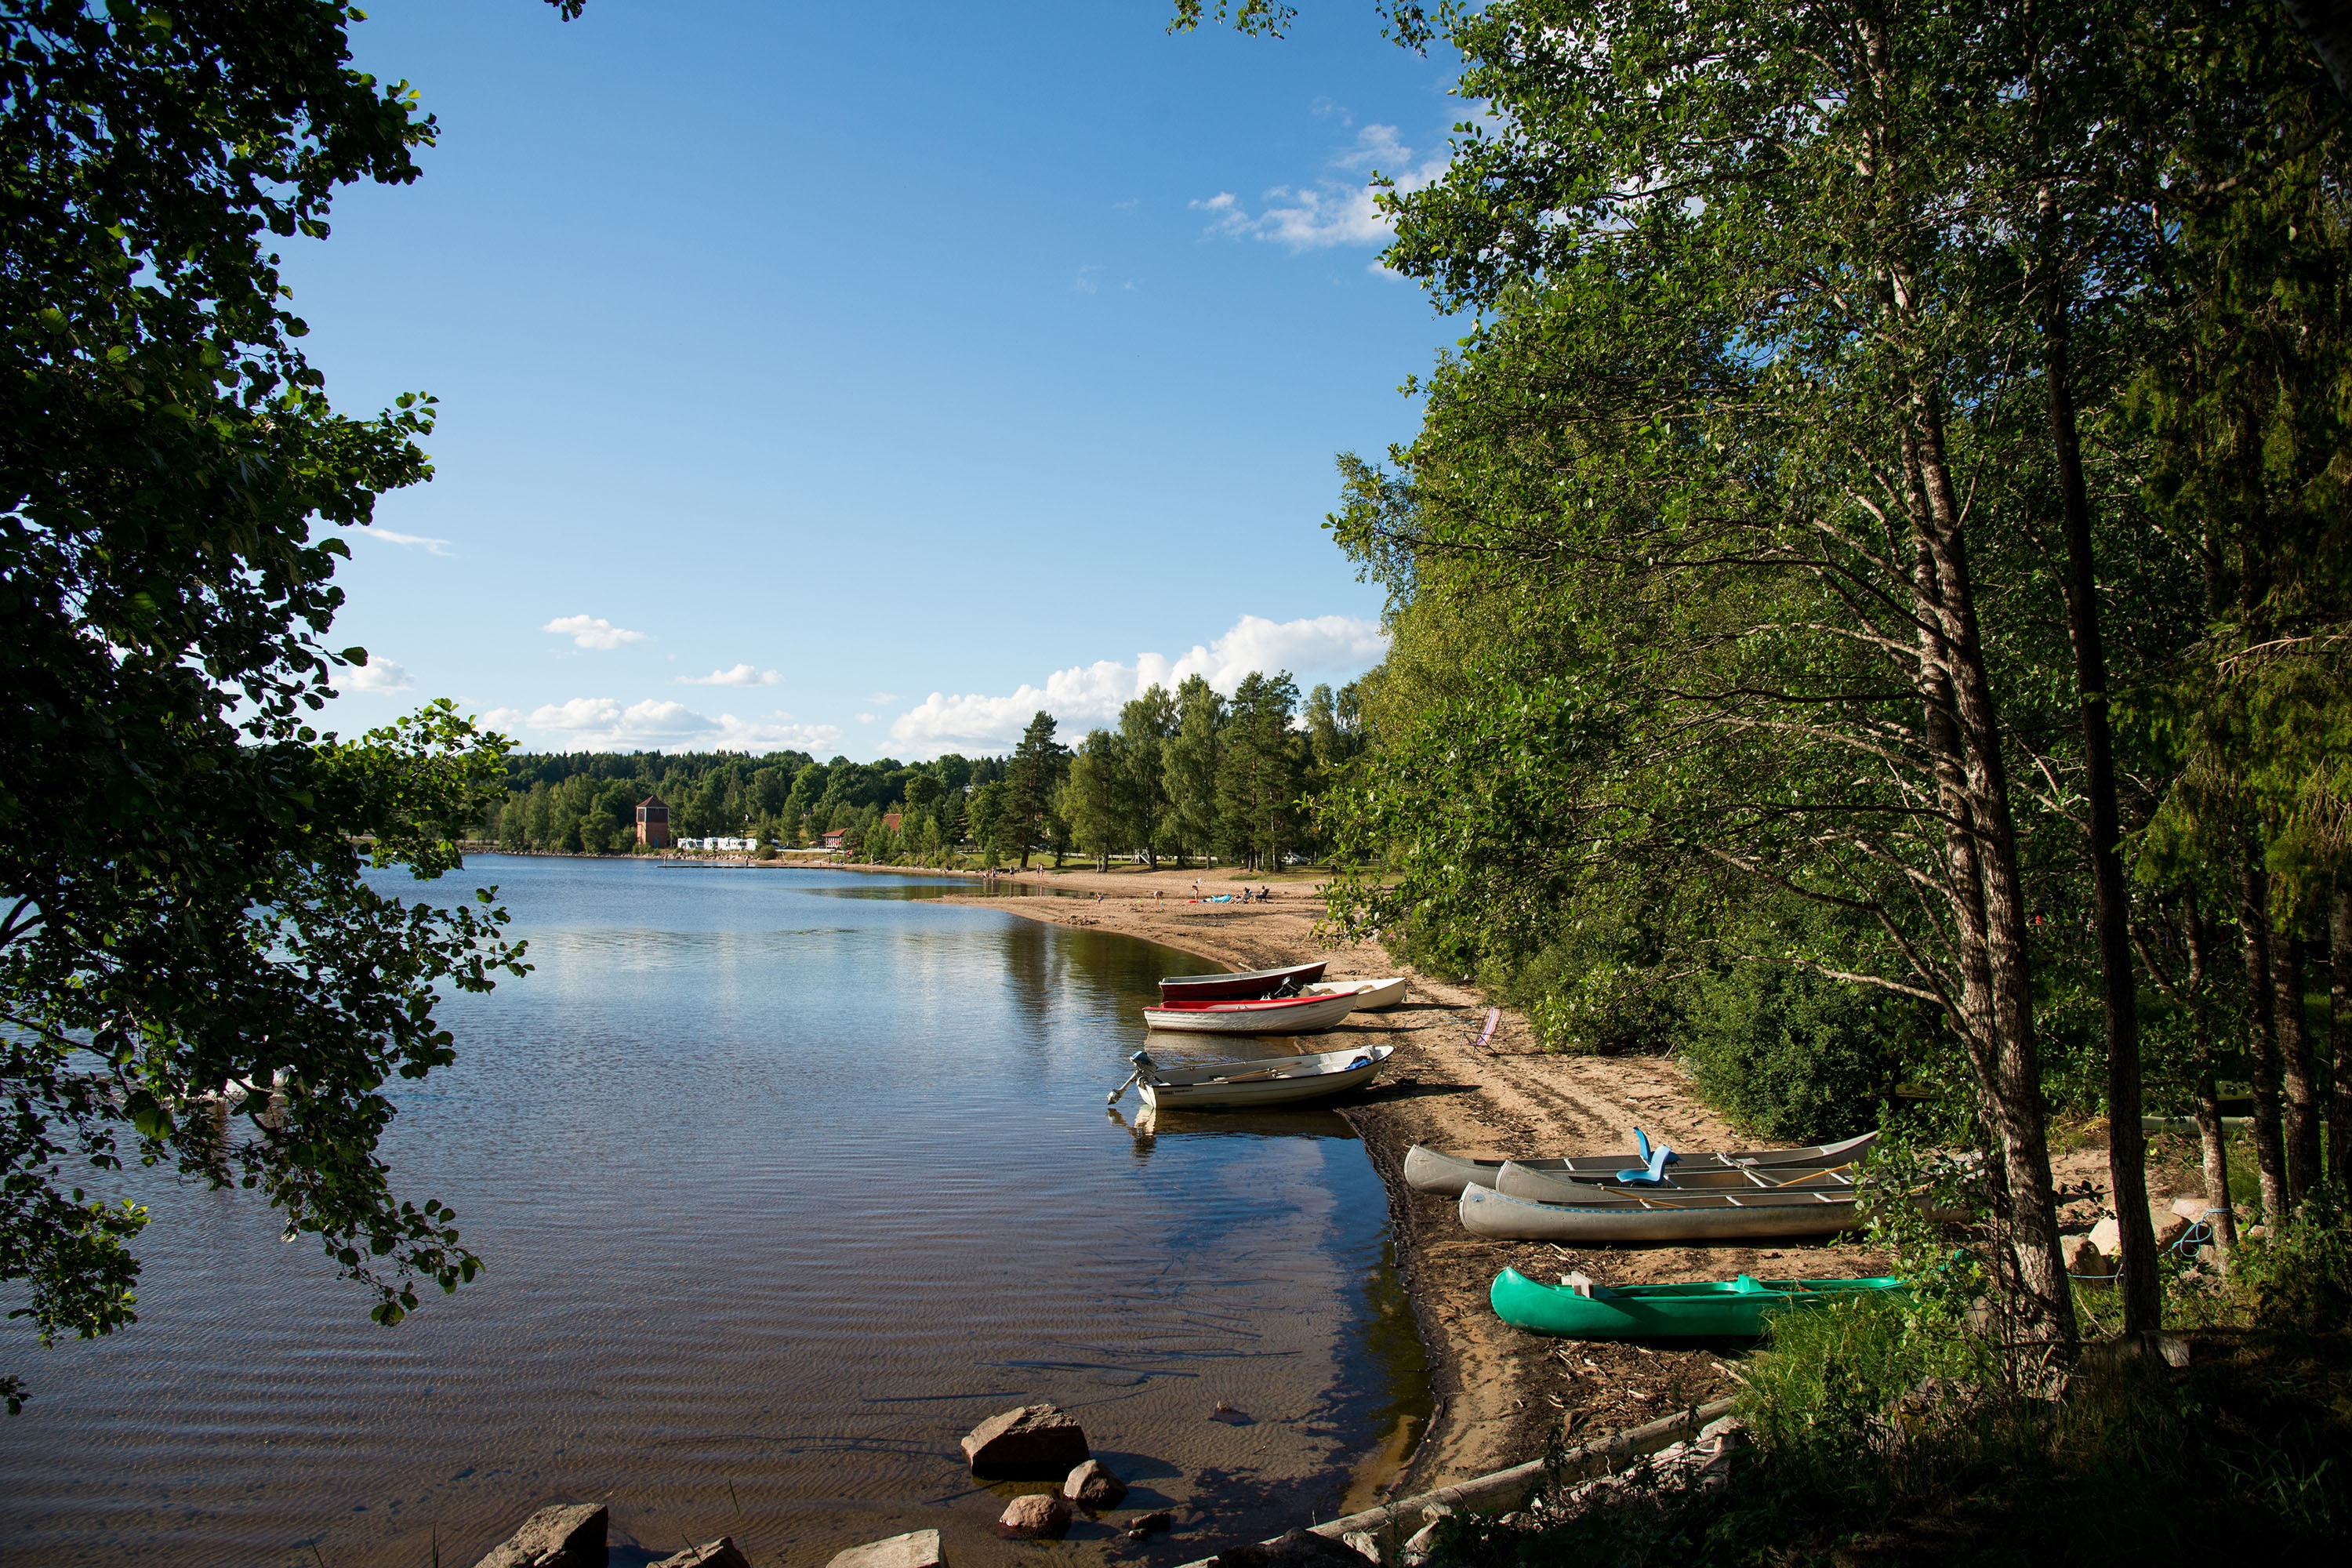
{"points": [[862, 378]]}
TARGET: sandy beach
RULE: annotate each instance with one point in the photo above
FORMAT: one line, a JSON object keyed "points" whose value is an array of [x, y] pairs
{"points": [[1501, 1392]]}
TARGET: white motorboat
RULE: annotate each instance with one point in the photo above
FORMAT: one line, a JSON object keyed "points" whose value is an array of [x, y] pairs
{"points": [[1371, 996]]}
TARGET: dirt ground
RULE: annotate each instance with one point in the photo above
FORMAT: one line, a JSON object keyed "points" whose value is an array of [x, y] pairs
{"points": [[1500, 1391]]}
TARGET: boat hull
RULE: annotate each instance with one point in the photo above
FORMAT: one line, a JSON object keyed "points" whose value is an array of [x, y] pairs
{"points": [[1280, 1080], [1243, 987], [1702, 1217], [1372, 995], [1518, 1181], [1292, 1015], [1430, 1170], [1713, 1310]]}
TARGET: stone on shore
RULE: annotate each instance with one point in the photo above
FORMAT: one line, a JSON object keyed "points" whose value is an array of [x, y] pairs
{"points": [[1360, 1541], [2107, 1235], [1034, 1443], [2084, 1259], [1157, 1522], [1092, 1485], [2169, 1227], [721, 1553], [916, 1549], [564, 1535], [1041, 1516]]}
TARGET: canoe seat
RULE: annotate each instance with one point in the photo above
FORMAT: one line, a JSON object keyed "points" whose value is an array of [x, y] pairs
{"points": [[1641, 1142], [1653, 1171]]}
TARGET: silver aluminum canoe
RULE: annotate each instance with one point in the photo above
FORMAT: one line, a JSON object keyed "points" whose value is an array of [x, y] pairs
{"points": [[1518, 1181], [1430, 1170], [1274, 1080], [1703, 1216]]}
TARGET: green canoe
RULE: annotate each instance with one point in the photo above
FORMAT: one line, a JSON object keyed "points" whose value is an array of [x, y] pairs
{"points": [[1706, 1309]]}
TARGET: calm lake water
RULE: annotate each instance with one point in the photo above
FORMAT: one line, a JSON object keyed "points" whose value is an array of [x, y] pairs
{"points": [[785, 1179]]}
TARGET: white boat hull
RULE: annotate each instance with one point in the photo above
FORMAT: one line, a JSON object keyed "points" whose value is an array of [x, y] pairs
{"points": [[1371, 996], [1275, 1080], [1247, 1018]]}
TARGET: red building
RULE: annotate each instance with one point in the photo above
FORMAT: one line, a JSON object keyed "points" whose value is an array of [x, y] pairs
{"points": [[653, 823]]}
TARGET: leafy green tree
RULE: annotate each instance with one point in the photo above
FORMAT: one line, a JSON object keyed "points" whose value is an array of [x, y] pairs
{"points": [[1094, 799], [985, 815], [1145, 725], [165, 455], [1190, 761], [1031, 781], [1261, 773]]}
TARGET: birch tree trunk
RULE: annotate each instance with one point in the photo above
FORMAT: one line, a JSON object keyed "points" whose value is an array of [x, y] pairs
{"points": [[2261, 1037]]}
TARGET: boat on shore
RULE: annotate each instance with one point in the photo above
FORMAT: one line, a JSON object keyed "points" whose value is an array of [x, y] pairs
{"points": [[1271, 1016], [1733, 1309], [1248, 985], [1430, 1170], [1516, 1181], [1670, 1216], [1371, 996], [1271, 1080]]}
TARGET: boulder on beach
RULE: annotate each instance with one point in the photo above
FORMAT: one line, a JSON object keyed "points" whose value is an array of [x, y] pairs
{"points": [[916, 1549], [1041, 1516], [1157, 1522], [565, 1535], [1034, 1443], [1092, 1485], [721, 1553], [2084, 1259]]}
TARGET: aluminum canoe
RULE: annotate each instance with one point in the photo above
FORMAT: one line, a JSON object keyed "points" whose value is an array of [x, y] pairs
{"points": [[1516, 1181], [1430, 1170], [1684, 1217], [1240, 988], [1278, 1016], [1733, 1309], [1371, 996], [1274, 1080]]}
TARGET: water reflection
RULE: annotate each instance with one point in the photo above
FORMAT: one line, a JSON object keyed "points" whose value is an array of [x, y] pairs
{"points": [[778, 1197]]}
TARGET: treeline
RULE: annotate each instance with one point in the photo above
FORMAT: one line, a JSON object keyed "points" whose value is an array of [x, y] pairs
{"points": [[1872, 594], [585, 802], [1188, 774]]}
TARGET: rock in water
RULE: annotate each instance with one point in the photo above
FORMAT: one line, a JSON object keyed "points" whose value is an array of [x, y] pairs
{"points": [[1034, 1443], [567, 1535], [721, 1553], [1092, 1485], [1042, 1516], [916, 1549]]}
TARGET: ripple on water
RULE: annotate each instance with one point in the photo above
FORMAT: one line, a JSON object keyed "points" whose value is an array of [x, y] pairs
{"points": [[778, 1197]]}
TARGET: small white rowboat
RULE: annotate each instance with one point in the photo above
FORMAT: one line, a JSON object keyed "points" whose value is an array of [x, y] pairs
{"points": [[1371, 996], [1274, 1080], [1430, 1170], [1275, 1016]]}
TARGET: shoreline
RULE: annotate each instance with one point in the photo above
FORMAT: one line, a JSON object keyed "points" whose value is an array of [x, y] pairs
{"points": [[1499, 1394]]}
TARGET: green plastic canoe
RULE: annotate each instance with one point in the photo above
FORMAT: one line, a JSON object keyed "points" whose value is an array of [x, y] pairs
{"points": [[1705, 1309]]}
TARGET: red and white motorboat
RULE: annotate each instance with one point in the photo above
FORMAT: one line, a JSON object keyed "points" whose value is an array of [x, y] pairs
{"points": [[1256, 982], [1272, 1016]]}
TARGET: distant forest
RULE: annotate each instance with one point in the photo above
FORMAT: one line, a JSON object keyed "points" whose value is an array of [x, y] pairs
{"points": [[1187, 775]]}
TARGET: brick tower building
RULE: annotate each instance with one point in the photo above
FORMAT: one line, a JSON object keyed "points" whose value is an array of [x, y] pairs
{"points": [[653, 823]]}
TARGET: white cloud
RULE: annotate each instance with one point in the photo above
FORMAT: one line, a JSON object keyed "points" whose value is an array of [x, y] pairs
{"points": [[1333, 211], [592, 631], [502, 719], [741, 675], [430, 546], [881, 698], [1090, 696], [603, 724], [375, 674]]}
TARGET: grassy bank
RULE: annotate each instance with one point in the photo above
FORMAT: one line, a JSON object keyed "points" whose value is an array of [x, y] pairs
{"points": [[1899, 1433]]}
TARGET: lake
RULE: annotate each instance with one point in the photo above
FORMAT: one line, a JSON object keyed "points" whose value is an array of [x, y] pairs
{"points": [[784, 1179]]}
